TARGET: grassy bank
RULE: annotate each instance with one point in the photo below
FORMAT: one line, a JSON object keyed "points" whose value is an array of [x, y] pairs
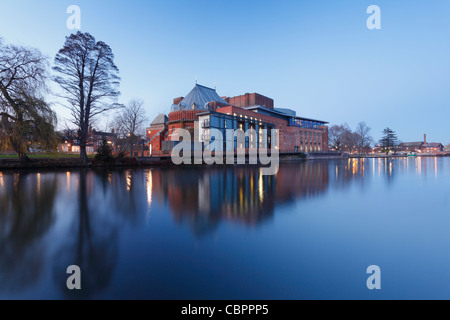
{"points": [[54, 155]]}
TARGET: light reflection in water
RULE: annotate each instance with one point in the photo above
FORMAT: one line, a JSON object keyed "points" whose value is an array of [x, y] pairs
{"points": [[149, 188], [108, 209], [68, 181]]}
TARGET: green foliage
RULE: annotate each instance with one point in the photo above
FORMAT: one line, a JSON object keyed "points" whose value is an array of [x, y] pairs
{"points": [[104, 152], [389, 141]]}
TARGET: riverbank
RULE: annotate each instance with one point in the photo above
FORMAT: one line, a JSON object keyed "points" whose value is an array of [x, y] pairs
{"points": [[70, 162], [370, 156]]}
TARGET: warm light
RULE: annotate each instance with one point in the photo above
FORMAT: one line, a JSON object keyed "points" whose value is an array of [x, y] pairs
{"points": [[149, 193], [68, 180], [261, 186], [39, 183], [129, 180], [435, 167]]}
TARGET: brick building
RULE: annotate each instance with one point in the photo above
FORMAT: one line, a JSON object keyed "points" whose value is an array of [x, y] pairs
{"points": [[203, 109], [422, 146], [71, 143]]}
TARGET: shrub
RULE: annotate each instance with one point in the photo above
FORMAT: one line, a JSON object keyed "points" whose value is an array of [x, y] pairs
{"points": [[104, 152]]}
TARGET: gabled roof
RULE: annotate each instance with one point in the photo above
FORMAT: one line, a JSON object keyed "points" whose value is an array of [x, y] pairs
{"points": [[160, 119], [200, 96]]}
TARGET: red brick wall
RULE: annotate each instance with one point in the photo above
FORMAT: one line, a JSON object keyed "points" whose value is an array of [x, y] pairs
{"points": [[290, 137], [324, 137], [184, 115], [251, 99]]}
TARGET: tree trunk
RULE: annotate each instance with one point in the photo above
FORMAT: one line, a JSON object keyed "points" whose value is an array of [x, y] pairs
{"points": [[83, 139], [23, 157], [83, 155]]}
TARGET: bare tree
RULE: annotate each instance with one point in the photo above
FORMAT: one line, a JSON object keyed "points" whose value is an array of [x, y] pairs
{"points": [[363, 138], [130, 123], [340, 137], [26, 118], [89, 79]]}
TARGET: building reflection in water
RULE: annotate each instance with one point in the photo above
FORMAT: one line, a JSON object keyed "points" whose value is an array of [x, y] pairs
{"points": [[63, 218], [205, 197]]}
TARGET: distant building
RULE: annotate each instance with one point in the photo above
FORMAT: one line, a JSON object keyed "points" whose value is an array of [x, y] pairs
{"points": [[71, 142], [95, 139], [421, 146], [410, 146], [432, 147], [203, 109]]}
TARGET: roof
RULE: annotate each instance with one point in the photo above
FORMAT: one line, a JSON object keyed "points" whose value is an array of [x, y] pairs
{"points": [[431, 145], [200, 96], [283, 113], [411, 144], [160, 119], [104, 134]]}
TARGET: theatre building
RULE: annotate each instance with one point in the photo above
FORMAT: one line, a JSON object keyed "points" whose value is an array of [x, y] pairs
{"points": [[203, 110]]}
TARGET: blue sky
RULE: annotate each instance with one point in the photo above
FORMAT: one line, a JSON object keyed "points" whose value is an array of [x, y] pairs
{"points": [[316, 57]]}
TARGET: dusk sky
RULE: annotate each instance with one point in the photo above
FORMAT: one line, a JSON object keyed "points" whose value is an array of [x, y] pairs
{"points": [[316, 57]]}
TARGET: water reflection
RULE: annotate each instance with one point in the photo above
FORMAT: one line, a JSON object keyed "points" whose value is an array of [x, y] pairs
{"points": [[26, 215], [91, 243], [50, 220], [203, 198]]}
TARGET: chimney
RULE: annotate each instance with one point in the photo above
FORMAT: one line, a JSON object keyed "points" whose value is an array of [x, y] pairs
{"points": [[424, 138], [112, 130]]}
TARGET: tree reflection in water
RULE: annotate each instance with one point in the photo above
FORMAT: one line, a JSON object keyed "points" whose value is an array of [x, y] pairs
{"points": [[96, 205], [26, 214], [92, 243]]}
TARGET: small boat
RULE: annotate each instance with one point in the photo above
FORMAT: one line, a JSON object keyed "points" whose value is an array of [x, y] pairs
{"points": [[412, 154]]}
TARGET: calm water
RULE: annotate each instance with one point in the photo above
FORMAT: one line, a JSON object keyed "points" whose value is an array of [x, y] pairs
{"points": [[229, 233]]}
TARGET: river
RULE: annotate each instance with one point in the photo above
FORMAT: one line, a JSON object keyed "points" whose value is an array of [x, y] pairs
{"points": [[310, 232]]}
